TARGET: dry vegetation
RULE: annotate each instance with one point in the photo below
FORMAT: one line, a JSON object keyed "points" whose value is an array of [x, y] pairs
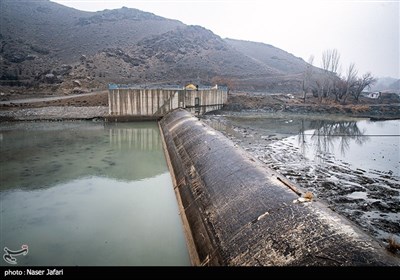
{"points": [[393, 246], [387, 106]]}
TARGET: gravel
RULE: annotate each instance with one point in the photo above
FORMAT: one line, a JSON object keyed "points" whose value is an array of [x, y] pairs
{"points": [[54, 113]]}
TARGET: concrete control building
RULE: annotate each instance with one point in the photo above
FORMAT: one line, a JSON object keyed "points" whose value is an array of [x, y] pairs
{"points": [[125, 100]]}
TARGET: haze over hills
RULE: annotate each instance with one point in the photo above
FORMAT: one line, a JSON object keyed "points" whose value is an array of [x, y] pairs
{"points": [[269, 55], [387, 84], [46, 46]]}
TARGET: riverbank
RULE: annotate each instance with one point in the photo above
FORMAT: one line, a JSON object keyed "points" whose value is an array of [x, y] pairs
{"points": [[386, 107], [84, 106], [324, 154], [95, 105], [54, 113]]}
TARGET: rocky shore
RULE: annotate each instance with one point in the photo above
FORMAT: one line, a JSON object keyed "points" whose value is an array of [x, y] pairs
{"points": [[54, 113], [83, 106], [369, 198]]}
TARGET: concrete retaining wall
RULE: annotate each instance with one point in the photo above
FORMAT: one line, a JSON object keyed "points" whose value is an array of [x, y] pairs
{"points": [[236, 211], [158, 102]]}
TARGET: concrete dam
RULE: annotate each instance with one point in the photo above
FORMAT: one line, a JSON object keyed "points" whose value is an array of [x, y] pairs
{"points": [[127, 102], [238, 212], [235, 210]]}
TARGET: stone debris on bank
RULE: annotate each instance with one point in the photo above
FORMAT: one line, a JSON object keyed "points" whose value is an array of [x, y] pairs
{"points": [[54, 113]]}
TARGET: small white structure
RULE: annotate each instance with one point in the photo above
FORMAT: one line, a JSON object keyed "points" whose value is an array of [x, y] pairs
{"points": [[374, 95]]}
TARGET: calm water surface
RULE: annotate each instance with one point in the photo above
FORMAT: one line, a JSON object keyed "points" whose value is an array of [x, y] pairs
{"points": [[84, 193], [362, 143]]}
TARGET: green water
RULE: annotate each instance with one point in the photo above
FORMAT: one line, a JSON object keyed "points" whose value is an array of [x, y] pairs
{"points": [[85, 193]]}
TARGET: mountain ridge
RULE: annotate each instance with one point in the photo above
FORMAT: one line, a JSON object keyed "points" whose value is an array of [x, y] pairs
{"points": [[45, 46]]}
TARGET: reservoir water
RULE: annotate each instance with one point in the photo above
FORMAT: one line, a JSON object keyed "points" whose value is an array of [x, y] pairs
{"points": [[88, 193]]}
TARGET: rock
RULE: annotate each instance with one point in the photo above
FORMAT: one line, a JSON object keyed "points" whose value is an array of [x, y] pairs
{"points": [[109, 54], [31, 57], [83, 57], [40, 50], [182, 50], [17, 58], [63, 70], [77, 83], [50, 78], [77, 90]]}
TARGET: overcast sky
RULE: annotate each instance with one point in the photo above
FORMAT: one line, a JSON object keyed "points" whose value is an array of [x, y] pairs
{"points": [[364, 32]]}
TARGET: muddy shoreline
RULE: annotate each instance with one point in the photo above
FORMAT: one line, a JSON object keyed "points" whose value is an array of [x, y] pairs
{"points": [[369, 198], [84, 106], [385, 108]]}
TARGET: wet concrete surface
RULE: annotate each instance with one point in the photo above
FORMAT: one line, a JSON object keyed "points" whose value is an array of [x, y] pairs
{"points": [[238, 211]]}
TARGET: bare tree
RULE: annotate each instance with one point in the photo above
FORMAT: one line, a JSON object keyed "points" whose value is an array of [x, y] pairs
{"points": [[330, 60], [350, 80], [334, 61], [334, 71], [326, 60], [319, 89], [307, 75], [340, 88], [364, 82], [330, 63], [332, 84]]}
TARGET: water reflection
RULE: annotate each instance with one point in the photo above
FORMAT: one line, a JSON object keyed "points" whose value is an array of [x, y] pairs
{"points": [[137, 138], [324, 136], [39, 156], [83, 193], [366, 144]]}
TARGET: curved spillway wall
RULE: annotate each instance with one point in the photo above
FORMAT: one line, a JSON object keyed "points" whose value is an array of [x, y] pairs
{"points": [[236, 211]]}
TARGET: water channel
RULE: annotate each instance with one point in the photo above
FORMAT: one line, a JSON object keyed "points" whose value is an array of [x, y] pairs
{"points": [[88, 193]]}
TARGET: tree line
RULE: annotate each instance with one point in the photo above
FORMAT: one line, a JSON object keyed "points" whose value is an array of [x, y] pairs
{"points": [[331, 84]]}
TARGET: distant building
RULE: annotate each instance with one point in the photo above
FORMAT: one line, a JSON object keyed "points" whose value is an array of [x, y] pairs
{"points": [[192, 87], [374, 95]]}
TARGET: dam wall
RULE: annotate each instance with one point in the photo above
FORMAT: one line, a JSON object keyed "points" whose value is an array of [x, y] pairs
{"points": [[238, 212], [155, 103]]}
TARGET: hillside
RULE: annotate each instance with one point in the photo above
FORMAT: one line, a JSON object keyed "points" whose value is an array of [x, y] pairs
{"points": [[395, 87], [269, 55], [387, 84], [66, 33], [46, 47]]}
